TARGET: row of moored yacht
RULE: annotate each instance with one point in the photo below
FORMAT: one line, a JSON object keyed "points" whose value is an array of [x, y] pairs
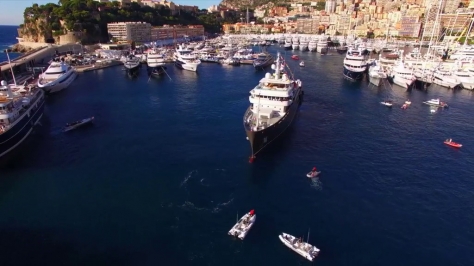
{"points": [[408, 70]]}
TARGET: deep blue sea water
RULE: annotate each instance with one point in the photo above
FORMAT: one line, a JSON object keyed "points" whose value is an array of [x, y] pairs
{"points": [[8, 36], [161, 175]]}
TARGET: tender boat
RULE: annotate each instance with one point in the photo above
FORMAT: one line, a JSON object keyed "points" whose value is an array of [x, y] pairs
{"points": [[302, 64], [74, 125], [306, 250], [263, 60], [243, 226], [407, 102], [436, 102], [295, 57], [387, 103], [313, 174], [451, 143]]}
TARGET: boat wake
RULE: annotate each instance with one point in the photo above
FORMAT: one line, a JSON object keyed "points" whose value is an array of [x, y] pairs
{"points": [[190, 174], [316, 184], [207, 190], [188, 205]]}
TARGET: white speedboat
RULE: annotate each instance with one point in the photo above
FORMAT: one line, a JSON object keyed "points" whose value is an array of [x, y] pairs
{"points": [[387, 103], [74, 125], [302, 64], [57, 77], [313, 174], [306, 250], [436, 103], [243, 226]]}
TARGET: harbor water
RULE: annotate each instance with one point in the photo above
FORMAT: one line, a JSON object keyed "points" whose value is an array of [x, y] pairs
{"points": [[162, 174]]}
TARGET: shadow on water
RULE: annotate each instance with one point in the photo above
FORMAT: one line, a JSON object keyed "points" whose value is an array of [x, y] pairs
{"points": [[28, 247], [268, 159]]}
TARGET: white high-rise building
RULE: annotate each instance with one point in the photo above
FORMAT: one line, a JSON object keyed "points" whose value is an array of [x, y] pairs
{"points": [[330, 6]]}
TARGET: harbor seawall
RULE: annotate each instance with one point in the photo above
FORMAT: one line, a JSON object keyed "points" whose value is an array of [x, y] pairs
{"points": [[40, 55]]}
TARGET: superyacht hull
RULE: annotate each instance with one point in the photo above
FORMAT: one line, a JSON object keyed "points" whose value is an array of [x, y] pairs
{"points": [[186, 66], [262, 138], [23, 128], [374, 80], [353, 74], [59, 85]]}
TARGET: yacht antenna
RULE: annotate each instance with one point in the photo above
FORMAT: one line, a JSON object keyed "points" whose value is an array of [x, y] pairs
{"points": [[277, 68]]}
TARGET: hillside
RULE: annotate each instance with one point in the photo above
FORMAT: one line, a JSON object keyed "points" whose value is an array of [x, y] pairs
{"points": [[252, 3]]}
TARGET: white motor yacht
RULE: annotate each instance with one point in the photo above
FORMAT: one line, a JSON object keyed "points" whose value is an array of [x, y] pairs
{"points": [[155, 59], [445, 79], [465, 78], [402, 76], [57, 77], [376, 74], [322, 45], [312, 45], [184, 59], [295, 43], [355, 63]]}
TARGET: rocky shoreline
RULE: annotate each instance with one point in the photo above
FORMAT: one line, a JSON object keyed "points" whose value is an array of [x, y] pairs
{"points": [[18, 48]]}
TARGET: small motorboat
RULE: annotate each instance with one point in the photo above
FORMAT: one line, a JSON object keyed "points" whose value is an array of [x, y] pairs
{"points": [[74, 125], [243, 226], [407, 102], [302, 64], [305, 249], [295, 57], [436, 102], [387, 103], [313, 174], [404, 106], [451, 143], [433, 109]]}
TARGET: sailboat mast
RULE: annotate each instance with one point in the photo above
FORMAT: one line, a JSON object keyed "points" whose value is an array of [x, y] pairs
{"points": [[11, 68], [468, 31], [307, 240]]}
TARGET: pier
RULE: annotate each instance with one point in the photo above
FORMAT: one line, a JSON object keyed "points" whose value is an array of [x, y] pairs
{"points": [[28, 60]]}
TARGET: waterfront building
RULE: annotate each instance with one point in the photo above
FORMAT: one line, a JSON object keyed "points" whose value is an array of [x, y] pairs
{"points": [[168, 32], [409, 27], [308, 25], [455, 22], [330, 6], [130, 31]]}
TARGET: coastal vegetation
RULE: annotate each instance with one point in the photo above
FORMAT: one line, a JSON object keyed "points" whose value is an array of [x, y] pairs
{"points": [[47, 22]]}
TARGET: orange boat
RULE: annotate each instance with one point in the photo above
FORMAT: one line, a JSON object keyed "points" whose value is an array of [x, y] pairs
{"points": [[451, 143], [295, 57]]}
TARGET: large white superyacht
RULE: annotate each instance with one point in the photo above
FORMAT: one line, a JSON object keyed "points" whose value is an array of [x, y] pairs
{"points": [[184, 59], [355, 63], [57, 77]]}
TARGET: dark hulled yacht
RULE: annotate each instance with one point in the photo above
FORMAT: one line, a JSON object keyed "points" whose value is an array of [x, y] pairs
{"points": [[273, 106]]}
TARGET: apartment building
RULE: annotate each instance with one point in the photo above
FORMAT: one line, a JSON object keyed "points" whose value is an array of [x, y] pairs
{"points": [[409, 27], [169, 32], [130, 31]]}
